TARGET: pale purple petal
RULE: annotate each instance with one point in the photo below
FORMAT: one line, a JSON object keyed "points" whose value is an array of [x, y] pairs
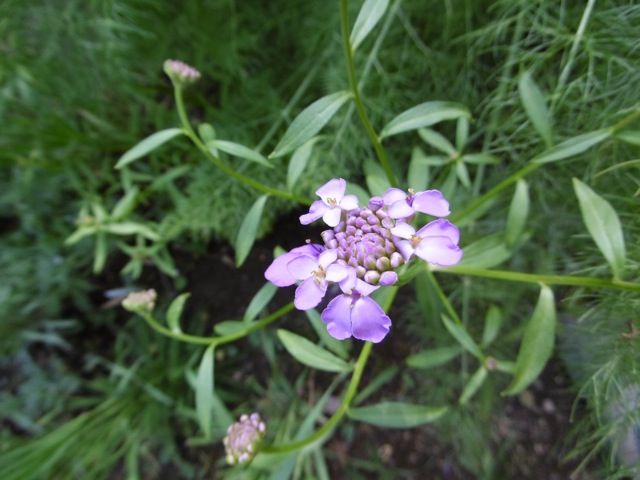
{"points": [[337, 317], [337, 272], [327, 257], [317, 209], [278, 273], [349, 282], [332, 189], [400, 209], [332, 216], [309, 294], [439, 251], [403, 230], [431, 202], [393, 195], [349, 202], [368, 320], [405, 248], [388, 278], [440, 228], [302, 267], [365, 289]]}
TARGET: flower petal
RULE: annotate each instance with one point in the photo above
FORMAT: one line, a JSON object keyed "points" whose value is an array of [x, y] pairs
{"points": [[327, 257], [439, 251], [334, 189], [337, 317], [349, 202], [365, 289], [349, 282], [403, 230], [302, 267], [440, 228], [279, 274], [406, 249], [400, 209], [332, 216], [431, 202], [368, 320], [337, 272], [309, 294], [317, 209], [393, 195]]}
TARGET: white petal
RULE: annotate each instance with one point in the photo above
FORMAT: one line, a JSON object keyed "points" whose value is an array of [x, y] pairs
{"points": [[439, 251], [393, 195], [403, 230], [431, 202], [317, 209], [400, 209], [302, 267], [349, 202], [327, 257], [309, 294], [337, 272], [332, 189], [332, 216]]}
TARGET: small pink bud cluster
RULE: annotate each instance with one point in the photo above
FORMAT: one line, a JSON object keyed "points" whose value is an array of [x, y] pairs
{"points": [[243, 438], [181, 72]]}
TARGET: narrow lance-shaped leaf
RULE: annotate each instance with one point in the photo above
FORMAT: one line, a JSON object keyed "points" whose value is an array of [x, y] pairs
{"points": [[310, 354], [396, 414], [537, 343], [472, 386], [148, 145], [437, 141], [434, 357], [309, 122], [462, 336], [492, 324], [573, 146], [299, 161], [339, 347], [536, 107], [204, 391], [603, 224], [260, 300], [100, 254], [238, 150], [424, 115], [518, 212], [131, 228], [125, 205], [248, 230], [462, 133], [377, 181], [370, 14], [418, 175], [174, 312]]}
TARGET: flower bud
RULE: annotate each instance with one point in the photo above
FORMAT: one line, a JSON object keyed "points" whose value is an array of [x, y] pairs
{"points": [[243, 438], [140, 302], [376, 203], [396, 260], [383, 264], [388, 278], [180, 72], [372, 277]]}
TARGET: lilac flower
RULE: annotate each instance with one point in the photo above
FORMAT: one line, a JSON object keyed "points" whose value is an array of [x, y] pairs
{"points": [[315, 272], [278, 273], [331, 204], [243, 438], [356, 314], [436, 242], [401, 205], [181, 72]]}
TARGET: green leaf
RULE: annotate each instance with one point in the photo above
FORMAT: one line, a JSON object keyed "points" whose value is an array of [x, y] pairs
{"points": [[174, 312], [472, 386], [309, 122], [479, 159], [310, 354], [434, 357], [463, 174], [536, 107], [424, 115], [537, 343], [462, 336], [248, 230], [79, 234], [462, 133], [437, 141], [204, 391], [147, 145], [206, 132], [375, 384], [131, 228], [125, 205], [492, 324], [418, 174], [518, 212], [240, 151], [100, 253], [299, 161], [229, 327], [260, 300], [370, 14], [377, 181], [487, 252], [573, 146], [339, 347], [603, 224], [629, 136], [396, 414]]}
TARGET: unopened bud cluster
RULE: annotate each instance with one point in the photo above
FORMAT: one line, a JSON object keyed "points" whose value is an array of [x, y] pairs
{"points": [[181, 72], [243, 438], [141, 302]]}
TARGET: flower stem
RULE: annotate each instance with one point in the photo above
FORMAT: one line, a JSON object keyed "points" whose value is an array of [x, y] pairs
{"points": [[357, 99], [569, 280], [220, 340], [261, 187]]}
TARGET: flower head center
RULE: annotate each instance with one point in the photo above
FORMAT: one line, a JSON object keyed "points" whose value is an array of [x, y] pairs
{"points": [[332, 202], [318, 275], [415, 240]]}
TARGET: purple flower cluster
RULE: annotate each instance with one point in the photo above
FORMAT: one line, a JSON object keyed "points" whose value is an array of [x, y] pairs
{"points": [[362, 251]]}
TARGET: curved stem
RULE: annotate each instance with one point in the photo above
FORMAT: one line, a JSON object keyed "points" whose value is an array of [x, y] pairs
{"points": [[261, 187], [198, 340], [568, 280], [357, 99]]}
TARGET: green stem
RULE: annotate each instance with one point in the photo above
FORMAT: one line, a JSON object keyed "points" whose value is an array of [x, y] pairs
{"points": [[357, 99], [330, 424], [198, 340], [261, 187], [568, 280]]}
